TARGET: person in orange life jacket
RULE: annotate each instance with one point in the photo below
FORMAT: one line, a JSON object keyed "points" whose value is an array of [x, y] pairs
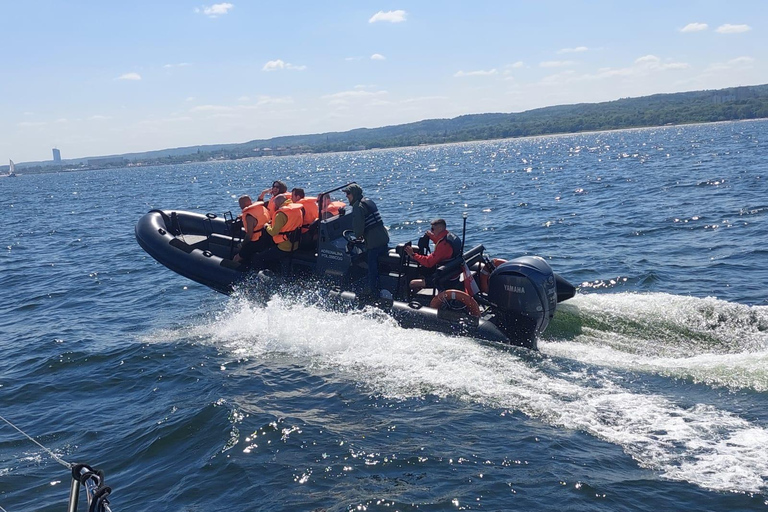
{"points": [[308, 203], [287, 219], [254, 217], [368, 226], [278, 188], [331, 208], [447, 246]]}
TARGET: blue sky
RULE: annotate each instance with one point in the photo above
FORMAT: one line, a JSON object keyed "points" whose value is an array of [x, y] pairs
{"points": [[100, 77]]}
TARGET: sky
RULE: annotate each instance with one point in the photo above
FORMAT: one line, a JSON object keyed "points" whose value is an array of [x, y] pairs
{"points": [[95, 77]]}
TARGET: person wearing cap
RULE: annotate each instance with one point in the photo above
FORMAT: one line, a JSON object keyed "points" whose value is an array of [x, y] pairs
{"points": [[368, 226], [447, 246]]}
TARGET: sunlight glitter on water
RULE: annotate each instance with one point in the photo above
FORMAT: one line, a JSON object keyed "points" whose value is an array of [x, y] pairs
{"points": [[681, 442]]}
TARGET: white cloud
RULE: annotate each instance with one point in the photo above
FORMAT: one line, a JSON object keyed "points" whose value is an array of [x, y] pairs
{"points": [[98, 118], [129, 76], [556, 64], [644, 66], [732, 29], [357, 96], [647, 59], [378, 56], [350, 59], [694, 27], [652, 62], [211, 108], [479, 72], [215, 10], [275, 65], [397, 16], [737, 63], [274, 100], [578, 49], [741, 61], [179, 65], [420, 99], [31, 124]]}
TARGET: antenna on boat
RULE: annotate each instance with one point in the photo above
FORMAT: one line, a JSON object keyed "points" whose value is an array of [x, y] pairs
{"points": [[464, 231]]}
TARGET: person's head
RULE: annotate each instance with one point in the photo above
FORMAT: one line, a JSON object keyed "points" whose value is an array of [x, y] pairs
{"points": [[354, 192], [297, 194], [279, 202], [278, 187], [437, 226], [244, 202]]}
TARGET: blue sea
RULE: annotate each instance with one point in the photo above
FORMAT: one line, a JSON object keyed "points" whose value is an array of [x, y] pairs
{"points": [[649, 391]]}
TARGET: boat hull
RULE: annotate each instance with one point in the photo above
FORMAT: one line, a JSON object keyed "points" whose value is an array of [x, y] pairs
{"points": [[201, 247]]}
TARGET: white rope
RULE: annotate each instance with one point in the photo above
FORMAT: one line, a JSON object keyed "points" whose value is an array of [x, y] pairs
{"points": [[53, 455]]}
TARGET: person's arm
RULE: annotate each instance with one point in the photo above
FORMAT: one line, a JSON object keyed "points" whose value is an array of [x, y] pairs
{"points": [[250, 225], [441, 253], [358, 221], [264, 193], [277, 225]]}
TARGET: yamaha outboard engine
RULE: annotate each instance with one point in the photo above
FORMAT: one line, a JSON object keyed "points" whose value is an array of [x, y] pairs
{"points": [[524, 294]]}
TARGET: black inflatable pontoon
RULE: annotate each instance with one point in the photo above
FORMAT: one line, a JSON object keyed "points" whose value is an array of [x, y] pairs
{"points": [[517, 301]]}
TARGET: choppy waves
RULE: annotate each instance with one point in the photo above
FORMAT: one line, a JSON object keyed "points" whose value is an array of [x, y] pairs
{"points": [[577, 382]]}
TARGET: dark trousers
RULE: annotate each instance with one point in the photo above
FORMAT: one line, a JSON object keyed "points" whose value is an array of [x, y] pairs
{"points": [[373, 268], [249, 249], [266, 258]]}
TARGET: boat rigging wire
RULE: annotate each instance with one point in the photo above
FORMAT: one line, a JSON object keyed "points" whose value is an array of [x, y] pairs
{"points": [[92, 480], [53, 455]]}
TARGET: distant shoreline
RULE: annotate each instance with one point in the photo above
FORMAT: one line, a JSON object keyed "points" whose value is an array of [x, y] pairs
{"points": [[134, 165], [749, 103]]}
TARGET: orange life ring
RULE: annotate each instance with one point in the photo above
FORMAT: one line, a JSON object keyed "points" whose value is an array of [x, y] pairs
{"points": [[441, 300]]}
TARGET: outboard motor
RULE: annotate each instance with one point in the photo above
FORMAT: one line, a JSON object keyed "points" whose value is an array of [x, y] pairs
{"points": [[524, 293]]}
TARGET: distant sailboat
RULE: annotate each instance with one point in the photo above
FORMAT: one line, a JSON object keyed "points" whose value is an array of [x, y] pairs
{"points": [[11, 170]]}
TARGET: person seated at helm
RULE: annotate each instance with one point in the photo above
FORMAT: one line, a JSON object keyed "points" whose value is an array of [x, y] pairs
{"points": [[331, 208], [254, 216], [447, 246], [283, 229], [278, 189]]}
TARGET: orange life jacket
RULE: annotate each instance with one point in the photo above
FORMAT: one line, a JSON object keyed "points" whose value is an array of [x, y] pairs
{"points": [[259, 212], [310, 212], [334, 206], [295, 214], [271, 203]]}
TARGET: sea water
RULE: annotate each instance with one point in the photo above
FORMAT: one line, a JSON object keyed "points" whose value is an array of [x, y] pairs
{"points": [[649, 391]]}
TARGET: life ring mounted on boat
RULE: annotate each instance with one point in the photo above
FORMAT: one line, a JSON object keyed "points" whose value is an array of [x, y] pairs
{"points": [[456, 299]]}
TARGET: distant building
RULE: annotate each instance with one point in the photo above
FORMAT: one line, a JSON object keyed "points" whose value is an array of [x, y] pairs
{"points": [[56, 156]]}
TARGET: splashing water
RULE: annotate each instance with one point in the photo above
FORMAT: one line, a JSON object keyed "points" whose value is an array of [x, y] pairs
{"points": [[698, 443]]}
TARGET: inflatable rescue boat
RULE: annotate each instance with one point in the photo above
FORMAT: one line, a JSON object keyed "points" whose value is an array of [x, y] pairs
{"points": [[515, 302]]}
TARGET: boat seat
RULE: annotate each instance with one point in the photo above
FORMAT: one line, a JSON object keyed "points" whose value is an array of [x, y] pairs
{"points": [[446, 275]]}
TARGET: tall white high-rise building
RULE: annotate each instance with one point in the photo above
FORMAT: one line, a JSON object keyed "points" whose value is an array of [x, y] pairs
{"points": [[56, 156]]}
